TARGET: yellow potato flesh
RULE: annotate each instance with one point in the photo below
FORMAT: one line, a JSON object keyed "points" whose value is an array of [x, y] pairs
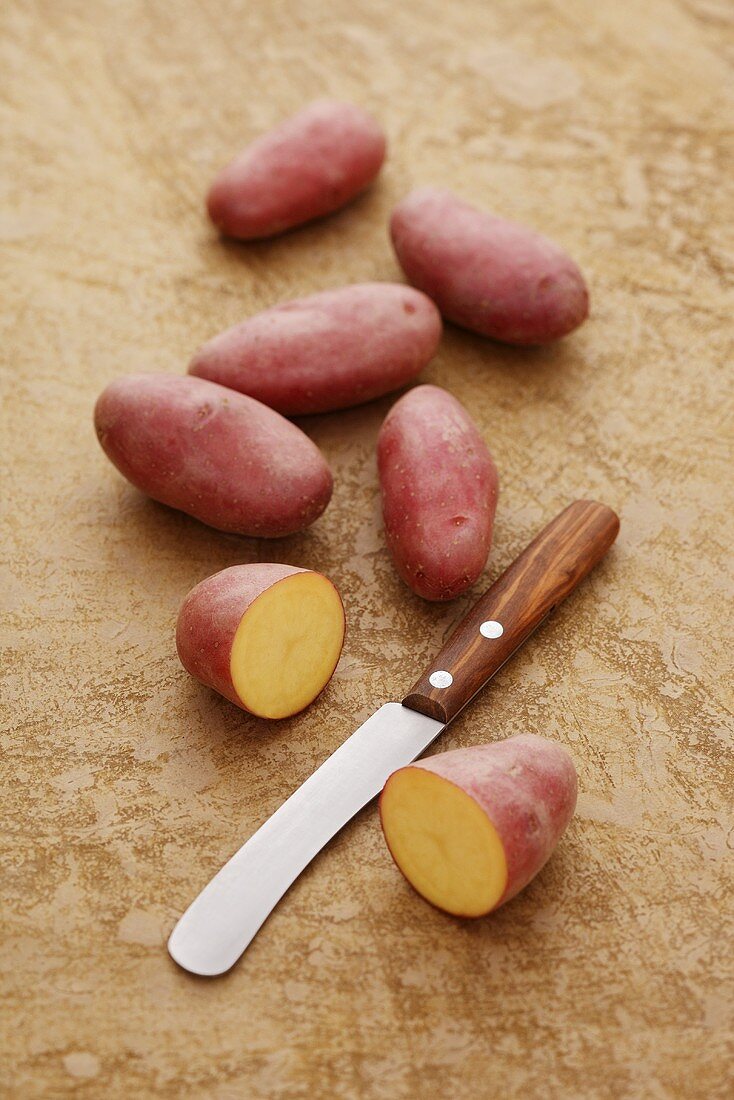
{"points": [[443, 842], [287, 645]]}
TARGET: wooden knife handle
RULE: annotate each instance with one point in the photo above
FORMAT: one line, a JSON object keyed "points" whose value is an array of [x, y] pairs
{"points": [[545, 573]]}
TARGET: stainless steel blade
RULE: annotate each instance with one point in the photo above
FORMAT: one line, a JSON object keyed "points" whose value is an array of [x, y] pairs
{"points": [[221, 922]]}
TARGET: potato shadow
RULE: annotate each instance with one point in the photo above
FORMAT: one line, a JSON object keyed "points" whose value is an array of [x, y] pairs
{"points": [[521, 371], [355, 222], [515, 922], [227, 722], [172, 536], [357, 426]]}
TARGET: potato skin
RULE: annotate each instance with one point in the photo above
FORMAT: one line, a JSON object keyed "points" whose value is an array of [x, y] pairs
{"points": [[312, 164], [439, 493], [209, 617], [527, 786], [327, 351], [217, 455], [490, 275]]}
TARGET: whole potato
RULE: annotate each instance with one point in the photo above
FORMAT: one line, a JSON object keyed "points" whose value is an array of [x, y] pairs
{"points": [[327, 351], [310, 165], [439, 493], [492, 276], [217, 455]]}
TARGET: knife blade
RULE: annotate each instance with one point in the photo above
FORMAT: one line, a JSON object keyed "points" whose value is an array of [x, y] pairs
{"points": [[218, 926], [222, 921]]}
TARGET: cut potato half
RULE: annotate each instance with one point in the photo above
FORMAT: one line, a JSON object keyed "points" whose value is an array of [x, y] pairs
{"points": [[470, 828], [287, 645], [266, 636], [443, 842]]}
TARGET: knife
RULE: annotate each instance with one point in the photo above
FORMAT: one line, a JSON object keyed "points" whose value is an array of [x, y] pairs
{"points": [[218, 926]]}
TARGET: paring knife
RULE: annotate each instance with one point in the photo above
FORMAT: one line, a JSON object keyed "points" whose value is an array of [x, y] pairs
{"points": [[224, 918]]}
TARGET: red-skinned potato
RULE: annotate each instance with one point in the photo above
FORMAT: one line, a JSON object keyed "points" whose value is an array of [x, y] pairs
{"points": [[439, 493], [267, 637], [327, 351], [492, 276], [470, 828], [310, 165], [217, 455]]}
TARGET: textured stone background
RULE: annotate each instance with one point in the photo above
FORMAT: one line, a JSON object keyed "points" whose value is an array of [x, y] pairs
{"points": [[127, 784]]}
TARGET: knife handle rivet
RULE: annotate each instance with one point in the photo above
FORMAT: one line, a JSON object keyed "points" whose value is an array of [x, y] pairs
{"points": [[440, 679], [491, 629]]}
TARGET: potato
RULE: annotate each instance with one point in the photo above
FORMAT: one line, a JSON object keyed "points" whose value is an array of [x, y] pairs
{"points": [[308, 166], [470, 828], [221, 457], [327, 351], [439, 493], [492, 276], [266, 637]]}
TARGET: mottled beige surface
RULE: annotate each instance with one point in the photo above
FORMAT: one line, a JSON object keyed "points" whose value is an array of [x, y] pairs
{"points": [[127, 784]]}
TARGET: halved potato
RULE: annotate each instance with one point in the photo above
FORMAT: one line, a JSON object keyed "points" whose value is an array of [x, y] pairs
{"points": [[266, 636], [470, 828]]}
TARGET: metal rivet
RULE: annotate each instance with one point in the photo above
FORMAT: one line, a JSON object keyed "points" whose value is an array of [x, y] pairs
{"points": [[440, 679], [491, 629]]}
